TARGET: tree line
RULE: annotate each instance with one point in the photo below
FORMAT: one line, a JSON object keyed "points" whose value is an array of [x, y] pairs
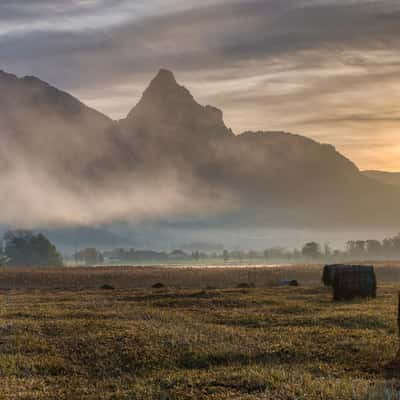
{"points": [[311, 251], [27, 249]]}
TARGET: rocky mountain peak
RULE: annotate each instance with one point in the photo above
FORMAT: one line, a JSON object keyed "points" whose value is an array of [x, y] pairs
{"points": [[164, 77], [167, 107], [164, 90]]}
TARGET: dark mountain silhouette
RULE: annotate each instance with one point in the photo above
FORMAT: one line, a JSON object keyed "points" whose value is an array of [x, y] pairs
{"points": [[168, 110], [173, 158], [391, 178]]}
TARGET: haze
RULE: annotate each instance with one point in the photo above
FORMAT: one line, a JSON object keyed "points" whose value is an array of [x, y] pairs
{"points": [[325, 69]]}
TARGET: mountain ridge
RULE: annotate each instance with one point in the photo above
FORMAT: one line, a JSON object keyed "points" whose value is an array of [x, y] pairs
{"points": [[170, 158], [391, 178]]}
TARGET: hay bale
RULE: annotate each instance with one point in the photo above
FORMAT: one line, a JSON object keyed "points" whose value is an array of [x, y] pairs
{"points": [[158, 285], [107, 287], [354, 281], [245, 285], [328, 275]]}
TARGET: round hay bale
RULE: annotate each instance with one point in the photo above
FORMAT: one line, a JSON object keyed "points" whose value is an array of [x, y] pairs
{"points": [[354, 282], [158, 285], [107, 287], [245, 285]]}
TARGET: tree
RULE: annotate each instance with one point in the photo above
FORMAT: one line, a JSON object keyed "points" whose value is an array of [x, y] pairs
{"points": [[252, 254], [24, 248], [391, 246], [275, 253], [374, 247], [90, 256], [311, 250], [327, 250], [395, 242], [356, 248]]}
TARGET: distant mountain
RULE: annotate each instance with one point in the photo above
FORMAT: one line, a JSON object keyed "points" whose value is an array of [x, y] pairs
{"points": [[170, 160], [391, 178]]}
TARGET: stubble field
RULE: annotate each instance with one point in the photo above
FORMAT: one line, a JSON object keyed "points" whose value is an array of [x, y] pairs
{"points": [[76, 341]]}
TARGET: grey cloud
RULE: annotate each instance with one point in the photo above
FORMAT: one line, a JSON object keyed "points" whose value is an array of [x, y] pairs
{"points": [[30, 10], [208, 38]]}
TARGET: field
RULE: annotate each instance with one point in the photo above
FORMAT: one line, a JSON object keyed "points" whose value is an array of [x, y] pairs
{"points": [[61, 337]]}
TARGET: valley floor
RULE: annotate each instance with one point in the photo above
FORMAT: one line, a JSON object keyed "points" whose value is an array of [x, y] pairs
{"points": [[263, 343]]}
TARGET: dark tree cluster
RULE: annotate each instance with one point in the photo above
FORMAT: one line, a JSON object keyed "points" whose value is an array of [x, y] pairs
{"points": [[27, 249]]}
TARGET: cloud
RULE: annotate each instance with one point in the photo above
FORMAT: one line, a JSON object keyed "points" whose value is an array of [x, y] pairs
{"points": [[221, 35]]}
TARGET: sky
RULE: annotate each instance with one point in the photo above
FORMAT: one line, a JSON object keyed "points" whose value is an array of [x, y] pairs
{"points": [[327, 69]]}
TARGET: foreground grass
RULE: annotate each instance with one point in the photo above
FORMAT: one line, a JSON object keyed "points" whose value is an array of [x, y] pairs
{"points": [[280, 343]]}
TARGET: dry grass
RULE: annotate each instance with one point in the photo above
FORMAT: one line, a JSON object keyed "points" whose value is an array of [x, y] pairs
{"points": [[181, 277], [263, 343]]}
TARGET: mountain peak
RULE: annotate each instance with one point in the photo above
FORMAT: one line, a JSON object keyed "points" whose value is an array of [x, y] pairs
{"points": [[165, 77], [165, 84], [167, 108], [164, 95]]}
